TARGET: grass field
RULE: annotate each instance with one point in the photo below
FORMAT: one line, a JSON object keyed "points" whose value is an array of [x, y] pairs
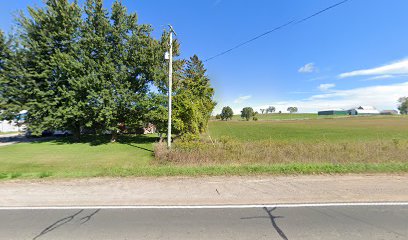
{"points": [[338, 141], [312, 146], [287, 116], [333, 130]]}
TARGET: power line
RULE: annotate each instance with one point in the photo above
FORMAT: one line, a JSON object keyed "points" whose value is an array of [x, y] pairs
{"points": [[293, 22]]}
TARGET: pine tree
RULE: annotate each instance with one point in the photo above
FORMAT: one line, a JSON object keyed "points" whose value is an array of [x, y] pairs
{"points": [[4, 58], [12, 81], [192, 100], [49, 37], [4, 50]]}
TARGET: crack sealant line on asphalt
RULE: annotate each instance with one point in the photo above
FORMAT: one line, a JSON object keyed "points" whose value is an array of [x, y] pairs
{"points": [[212, 206]]}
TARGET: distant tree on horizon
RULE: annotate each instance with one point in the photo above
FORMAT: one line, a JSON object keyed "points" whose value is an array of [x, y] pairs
{"points": [[226, 113], [247, 113], [270, 109], [292, 109]]}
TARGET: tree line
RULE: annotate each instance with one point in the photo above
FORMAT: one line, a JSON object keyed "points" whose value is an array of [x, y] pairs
{"points": [[91, 68], [248, 113]]}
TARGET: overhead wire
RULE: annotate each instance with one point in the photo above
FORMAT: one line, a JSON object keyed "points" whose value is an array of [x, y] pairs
{"points": [[292, 22]]}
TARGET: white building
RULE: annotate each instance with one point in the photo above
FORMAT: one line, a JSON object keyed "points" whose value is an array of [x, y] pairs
{"points": [[7, 126], [364, 110], [16, 125]]}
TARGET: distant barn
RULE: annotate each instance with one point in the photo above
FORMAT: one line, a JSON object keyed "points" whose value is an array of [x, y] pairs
{"points": [[364, 110], [333, 112], [389, 112]]}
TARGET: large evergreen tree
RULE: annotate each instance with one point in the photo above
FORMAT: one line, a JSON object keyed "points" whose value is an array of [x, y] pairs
{"points": [[12, 81], [4, 58], [48, 41]]}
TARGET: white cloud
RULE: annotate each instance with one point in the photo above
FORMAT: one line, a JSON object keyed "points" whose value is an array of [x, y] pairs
{"points": [[242, 99], [382, 77], [308, 68], [326, 86], [392, 69], [380, 96]]}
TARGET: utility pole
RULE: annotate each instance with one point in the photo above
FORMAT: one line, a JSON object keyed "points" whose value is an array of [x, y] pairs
{"points": [[170, 84]]}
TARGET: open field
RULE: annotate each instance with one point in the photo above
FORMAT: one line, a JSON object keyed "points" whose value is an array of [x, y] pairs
{"points": [[287, 116], [336, 142], [343, 145], [337, 129]]}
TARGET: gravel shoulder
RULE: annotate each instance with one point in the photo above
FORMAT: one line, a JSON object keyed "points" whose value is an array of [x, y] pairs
{"points": [[205, 190]]}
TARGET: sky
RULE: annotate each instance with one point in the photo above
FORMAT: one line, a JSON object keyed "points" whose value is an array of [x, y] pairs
{"points": [[355, 54]]}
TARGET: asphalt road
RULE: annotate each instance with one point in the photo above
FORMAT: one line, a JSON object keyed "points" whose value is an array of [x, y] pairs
{"points": [[339, 222]]}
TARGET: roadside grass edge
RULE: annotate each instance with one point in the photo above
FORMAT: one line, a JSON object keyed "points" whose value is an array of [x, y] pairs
{"points": [[198, 171]]}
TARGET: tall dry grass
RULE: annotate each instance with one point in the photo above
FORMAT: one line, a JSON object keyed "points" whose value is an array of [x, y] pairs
{"points": [[230, 151]]}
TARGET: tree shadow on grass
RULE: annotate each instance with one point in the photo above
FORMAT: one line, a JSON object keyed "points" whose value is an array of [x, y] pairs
{"points": [[97, 140]]}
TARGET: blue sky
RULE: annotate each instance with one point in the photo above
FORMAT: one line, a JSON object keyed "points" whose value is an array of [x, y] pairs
{"points": [[356, 54]]}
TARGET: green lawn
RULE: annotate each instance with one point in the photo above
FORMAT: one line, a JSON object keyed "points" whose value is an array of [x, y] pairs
{"points": [[65, 158]]}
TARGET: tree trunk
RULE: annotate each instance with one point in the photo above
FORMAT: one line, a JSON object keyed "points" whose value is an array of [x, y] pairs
{"points": [[114, 136], [77, 131]]}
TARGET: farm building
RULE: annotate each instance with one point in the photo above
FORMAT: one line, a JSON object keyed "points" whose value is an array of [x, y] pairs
{"points": [[7, 126], [389, 112], [364, 110], [14, 125], [333, 112]]}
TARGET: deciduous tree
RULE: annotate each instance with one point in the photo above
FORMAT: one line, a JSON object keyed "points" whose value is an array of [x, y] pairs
{"points": [[247, 113], [270, 109], [292, 109], [227, 113]]}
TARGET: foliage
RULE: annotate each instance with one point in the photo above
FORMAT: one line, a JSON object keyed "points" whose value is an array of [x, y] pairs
{"points": [[93, 68], [270, 109], [227, 113], [5, 53], [292, 109], [403, 107], [48, 40], [247, 113], [192, 100]]}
